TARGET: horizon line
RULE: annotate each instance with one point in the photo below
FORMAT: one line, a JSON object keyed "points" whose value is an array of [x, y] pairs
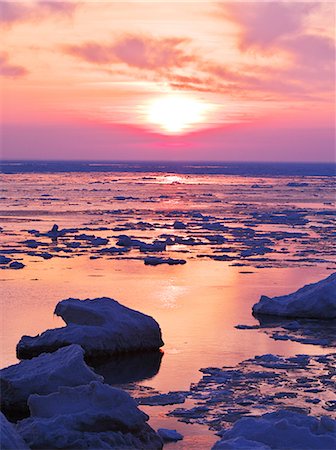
{"points": [[119, 161]]}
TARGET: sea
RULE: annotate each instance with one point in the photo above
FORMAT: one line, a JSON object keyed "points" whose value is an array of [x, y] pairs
{"points": [[242, 229]]}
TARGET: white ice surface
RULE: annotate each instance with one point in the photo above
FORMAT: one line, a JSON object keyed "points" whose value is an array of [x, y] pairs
{"points": [[91, 416], [280, 430], [169, 435], [101, 326], [9, 437], [44, 374], [315, 301]]}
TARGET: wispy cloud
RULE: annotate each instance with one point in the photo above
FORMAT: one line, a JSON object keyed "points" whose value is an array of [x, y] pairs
{"points": [[12, 12], [280, 28], [142, 52], [306, 67], [9, 70], [263, 24]]}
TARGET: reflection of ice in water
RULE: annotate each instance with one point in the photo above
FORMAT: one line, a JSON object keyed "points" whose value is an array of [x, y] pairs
{"points": [[169, 295]]}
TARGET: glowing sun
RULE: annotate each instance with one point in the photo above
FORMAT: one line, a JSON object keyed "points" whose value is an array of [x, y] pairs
{"points": [[176, 113]]}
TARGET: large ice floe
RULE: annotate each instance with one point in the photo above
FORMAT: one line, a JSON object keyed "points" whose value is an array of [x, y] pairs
{"points": [[43, 375], [101, 326], [9, 437], [94, 416], [280, 430], [315, 301]]}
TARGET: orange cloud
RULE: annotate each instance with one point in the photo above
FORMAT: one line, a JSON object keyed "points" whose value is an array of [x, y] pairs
{"points": [[10, 70], [143, 52], [12, 12], [262, 24]]}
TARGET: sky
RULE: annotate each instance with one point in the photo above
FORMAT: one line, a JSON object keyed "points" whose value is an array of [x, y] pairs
{"points": [[194, 80]]}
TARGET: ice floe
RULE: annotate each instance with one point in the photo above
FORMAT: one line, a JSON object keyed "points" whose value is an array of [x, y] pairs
{"points": [[155, 261], [10, 439], [316, 301], [43, 375], [16, 265], [280, 430], [55, 232], [102, 326], [171, 398], [156, 246], [4, 259], [92, 239], [178, 225], [169, 435], [8, 263], [90, 416]]}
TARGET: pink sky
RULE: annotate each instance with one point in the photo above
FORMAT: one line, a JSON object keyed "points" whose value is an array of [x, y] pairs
{"points": [[199, 80]]}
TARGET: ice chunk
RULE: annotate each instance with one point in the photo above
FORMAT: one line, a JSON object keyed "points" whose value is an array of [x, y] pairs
{"points": [[92, 416], [155, 261], [16, 265], [178, 225], [315, 301], [156, 246], [279, 430], [216, 239], [102, 326], [169, 435], [126, 241], [297, 184], [55, 233], [9, 437], [92, 239], [171, 398], [247, 327], [240, 443], [4, 259], [32, 243], [43, 375]]}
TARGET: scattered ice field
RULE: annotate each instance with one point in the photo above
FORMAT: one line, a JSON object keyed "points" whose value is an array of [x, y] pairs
{"points": [[239, 237]]}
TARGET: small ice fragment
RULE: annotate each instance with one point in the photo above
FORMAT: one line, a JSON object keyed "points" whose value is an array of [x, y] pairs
{"points": [[169, 435]]}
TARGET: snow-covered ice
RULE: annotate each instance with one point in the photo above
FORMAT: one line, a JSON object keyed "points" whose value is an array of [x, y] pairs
{"points": [[178, 225], [280, 430], [43, 375], [169, 435], [91, 416], [8, 263], [102, 326], [55, 232], [91, 239], [4, 259], [16, 265], [128, 242], [315, 301], [9, 437], [155, 261], [171, 398]]}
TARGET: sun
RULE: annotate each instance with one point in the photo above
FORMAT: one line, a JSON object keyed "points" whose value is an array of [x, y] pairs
{"points": [[176, 113]]}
